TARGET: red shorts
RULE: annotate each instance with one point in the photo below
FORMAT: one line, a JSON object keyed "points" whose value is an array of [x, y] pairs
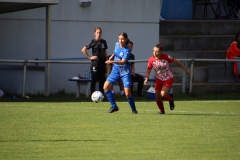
{"points": [[159, 84]]}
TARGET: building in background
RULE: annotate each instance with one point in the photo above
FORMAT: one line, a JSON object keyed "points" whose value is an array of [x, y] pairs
{"points": [[22, 37]]}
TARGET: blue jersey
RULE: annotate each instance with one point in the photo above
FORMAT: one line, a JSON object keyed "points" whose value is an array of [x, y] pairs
{"points": [[121, 71], [119, 55]]}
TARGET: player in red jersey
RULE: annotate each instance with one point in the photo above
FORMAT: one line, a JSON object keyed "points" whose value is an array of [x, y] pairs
{"points": [[164, 76], [234, 49]]}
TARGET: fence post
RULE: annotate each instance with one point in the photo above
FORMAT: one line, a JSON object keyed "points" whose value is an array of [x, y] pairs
{"points": [[24, 77], [184, 79], [48, 50], [191, 76]]}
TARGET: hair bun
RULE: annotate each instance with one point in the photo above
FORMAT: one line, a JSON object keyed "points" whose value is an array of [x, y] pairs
{"points": [[160, 46]]}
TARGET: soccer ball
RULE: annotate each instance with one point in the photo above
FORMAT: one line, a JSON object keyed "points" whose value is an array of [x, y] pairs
{"points": [[97, 96], [1, 93]]}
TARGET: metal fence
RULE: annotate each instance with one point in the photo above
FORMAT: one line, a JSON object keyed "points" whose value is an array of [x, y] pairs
{"points": [[184, 61]]}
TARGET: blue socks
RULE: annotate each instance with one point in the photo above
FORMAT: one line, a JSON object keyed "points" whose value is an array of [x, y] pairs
{"points": [[111, 99], [131, 103]]}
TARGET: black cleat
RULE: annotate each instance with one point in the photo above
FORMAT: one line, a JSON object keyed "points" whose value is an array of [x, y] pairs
{"points": [[135, 112], [161, 112], [111, 110], [172, 105]]}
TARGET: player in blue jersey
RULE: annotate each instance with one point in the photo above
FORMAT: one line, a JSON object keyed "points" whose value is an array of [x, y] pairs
{"points": [[121, 70]]}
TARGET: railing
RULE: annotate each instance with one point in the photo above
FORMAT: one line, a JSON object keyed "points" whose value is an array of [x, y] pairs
{"points": [[184, 77]]}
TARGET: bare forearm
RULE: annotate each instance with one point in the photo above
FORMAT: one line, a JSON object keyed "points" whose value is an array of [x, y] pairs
{"points": [[84, 51], [182, 66]]}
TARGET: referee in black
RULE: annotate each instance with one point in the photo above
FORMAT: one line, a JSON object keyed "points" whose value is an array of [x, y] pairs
{"points": [[99, 56]]}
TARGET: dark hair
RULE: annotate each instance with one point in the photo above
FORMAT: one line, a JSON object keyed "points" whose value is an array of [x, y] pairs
{"points": [[236, 36], [130, 42], [125, 36], [236, 39], [97, 29], [160, 46]]}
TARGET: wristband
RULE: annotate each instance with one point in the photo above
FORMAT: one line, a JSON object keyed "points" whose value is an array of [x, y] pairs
{"points": [[146, 78]]}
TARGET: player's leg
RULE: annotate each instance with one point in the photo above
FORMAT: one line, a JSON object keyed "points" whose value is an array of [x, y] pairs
{"points": [[159, 102], [101, 77], [94, 77], [121, 87], [158, 87], [165, 93], [140, 81], [126, 79], [112, 79]]}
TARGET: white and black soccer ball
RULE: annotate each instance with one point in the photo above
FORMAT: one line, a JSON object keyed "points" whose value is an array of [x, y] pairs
{"points": [[97, 96], [1, 93]]}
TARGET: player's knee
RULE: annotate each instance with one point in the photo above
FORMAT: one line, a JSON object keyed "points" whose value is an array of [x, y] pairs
{"points": [[163, 94], [107, 86], [128, 95]]}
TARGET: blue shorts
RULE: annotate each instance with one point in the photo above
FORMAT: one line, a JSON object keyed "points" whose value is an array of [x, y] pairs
{"points": [[115, 76]]}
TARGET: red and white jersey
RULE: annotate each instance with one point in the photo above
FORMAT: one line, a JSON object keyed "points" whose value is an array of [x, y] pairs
{"points": [[161, 66], [233, 51]]}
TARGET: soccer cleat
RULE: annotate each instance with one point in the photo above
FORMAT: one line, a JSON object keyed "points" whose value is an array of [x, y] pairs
{"points": [[135, 112], [112, 109], [172, 105], [161, 112]]}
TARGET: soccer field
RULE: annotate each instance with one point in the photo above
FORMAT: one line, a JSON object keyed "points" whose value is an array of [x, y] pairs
{"points": [[84, 130]]}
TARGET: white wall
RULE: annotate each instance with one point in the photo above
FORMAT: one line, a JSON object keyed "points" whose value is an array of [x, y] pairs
{"points": [[22, 34]]}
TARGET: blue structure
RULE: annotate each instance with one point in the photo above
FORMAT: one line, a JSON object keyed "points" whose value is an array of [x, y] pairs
{"points": [[177, 9]]}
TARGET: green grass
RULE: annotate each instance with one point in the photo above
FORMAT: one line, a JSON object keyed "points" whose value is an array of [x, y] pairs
{"points": [[196, 129]]}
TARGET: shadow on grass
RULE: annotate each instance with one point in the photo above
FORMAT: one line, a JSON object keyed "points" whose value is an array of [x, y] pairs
{"points": [[203, 114], [64, 98], [83, 98]]}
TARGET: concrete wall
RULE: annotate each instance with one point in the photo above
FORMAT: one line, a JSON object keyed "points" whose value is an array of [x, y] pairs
{"points": [[22, 36]]}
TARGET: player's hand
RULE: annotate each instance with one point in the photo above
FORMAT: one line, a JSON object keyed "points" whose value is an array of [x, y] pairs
{"points": [[94, 57], [108, 62], [187, 72], [145, 82]]}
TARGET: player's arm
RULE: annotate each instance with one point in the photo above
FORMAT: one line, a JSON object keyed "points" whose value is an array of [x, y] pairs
{"points": [[110, 61], [122, 62], [84, 51], [109, 65], [147, 76], [182, 66], [111, 57]]}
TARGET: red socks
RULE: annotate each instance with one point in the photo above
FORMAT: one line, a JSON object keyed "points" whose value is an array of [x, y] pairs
{"points": [[160, 105], [169, 98]]}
